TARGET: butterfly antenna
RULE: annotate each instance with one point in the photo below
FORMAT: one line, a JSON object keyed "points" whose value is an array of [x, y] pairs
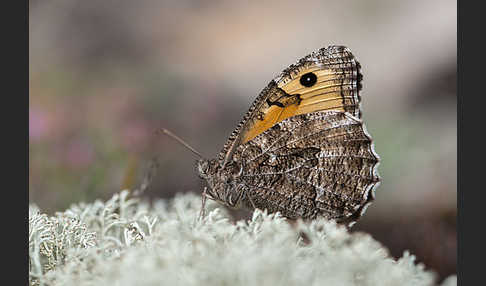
{"points": [[170, 134]]}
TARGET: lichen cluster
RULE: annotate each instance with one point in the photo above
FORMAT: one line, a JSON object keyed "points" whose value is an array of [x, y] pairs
{"points": [[127, 241]]}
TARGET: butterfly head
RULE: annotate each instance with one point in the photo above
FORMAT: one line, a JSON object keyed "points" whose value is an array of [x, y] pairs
{"points": [[206, 168], [221, 181]]}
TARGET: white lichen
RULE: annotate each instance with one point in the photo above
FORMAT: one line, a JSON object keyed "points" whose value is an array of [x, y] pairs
{"points": [[125, 241]]}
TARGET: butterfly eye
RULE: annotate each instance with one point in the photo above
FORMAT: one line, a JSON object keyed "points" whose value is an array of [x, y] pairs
{"points": [[308, 79], [203, 166]]}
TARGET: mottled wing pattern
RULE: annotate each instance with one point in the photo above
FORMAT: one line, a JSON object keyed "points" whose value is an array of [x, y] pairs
{"points": [[309, 165], [336, 88]]}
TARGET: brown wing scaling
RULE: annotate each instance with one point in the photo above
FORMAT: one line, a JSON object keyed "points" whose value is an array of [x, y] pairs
{"points": [[309, 165]]}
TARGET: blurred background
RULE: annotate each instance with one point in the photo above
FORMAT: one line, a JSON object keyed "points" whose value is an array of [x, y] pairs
{"points": [[105, 74]]}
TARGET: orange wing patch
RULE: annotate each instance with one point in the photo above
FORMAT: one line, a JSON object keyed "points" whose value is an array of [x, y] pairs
{"points": [[272, 115], [334, 89]]}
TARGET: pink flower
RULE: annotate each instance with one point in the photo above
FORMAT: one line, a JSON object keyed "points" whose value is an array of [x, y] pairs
{"points": [[39, 124], [79, 153]]}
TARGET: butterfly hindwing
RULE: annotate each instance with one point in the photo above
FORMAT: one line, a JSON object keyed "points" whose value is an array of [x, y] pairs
{"points": [[309, 165]]}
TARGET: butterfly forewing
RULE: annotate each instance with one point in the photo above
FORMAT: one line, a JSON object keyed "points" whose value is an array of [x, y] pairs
{"points": [[335, 86]]}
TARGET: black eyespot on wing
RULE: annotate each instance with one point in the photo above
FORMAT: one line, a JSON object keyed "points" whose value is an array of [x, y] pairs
{"points": [[308, 79]]}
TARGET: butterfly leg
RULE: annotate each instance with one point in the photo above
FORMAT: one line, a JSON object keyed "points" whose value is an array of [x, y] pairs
{"points": [[203, 203], [251, 201]]}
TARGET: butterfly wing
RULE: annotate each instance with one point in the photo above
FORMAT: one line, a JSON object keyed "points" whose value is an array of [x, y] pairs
{"points": [[309, 165], [328, 79], [302, 146]]}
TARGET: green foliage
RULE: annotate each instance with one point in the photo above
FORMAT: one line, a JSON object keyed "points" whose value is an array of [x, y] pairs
{"points": [[125, 241]]}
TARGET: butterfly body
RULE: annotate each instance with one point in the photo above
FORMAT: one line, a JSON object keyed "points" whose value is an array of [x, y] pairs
{"points": [[301, 149]]}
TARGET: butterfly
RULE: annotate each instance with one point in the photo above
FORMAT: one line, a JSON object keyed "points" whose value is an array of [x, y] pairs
{"points": [[302, 148]]}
